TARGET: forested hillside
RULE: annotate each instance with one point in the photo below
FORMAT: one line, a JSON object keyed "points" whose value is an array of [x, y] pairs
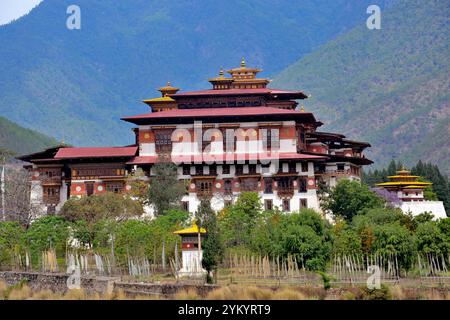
{"points": [[20, 140], [76, 84], [389, 87]]}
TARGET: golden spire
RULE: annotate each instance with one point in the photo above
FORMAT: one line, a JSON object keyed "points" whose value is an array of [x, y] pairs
{"points": [[302, 109], [221, 73], [243, 63]]}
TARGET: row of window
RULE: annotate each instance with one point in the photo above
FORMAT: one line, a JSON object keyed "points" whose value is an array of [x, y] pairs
{"points": [[96, 172], [199, 169], [285, 185], [116, 187], [286, 204], [268, 204], [51, 173], [225, 104], [270, 139]]}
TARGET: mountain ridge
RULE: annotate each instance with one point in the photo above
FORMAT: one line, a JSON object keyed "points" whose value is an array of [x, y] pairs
{"points": [[382, 87], [76, 84], [21, 140]]}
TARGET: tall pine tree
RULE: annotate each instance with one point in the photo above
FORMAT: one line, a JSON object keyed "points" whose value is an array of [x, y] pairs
{"points": [[211, 245]]}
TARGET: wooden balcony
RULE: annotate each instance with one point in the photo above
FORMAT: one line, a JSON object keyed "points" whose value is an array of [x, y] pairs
{"points": [[51, 199], [285, 192], [51, 181]]}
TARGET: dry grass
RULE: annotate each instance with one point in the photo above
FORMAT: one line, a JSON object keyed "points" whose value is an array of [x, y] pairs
{"points": [[254, 293], [45, 295], [20, 293], [3, 289], [435, 294], [189, 294], [288, 294], [75, 294]]}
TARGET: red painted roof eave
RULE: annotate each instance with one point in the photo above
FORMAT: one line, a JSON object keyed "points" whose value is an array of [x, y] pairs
{"points": [[226, 157], [218, 112], [96, 152], [258, 91]]}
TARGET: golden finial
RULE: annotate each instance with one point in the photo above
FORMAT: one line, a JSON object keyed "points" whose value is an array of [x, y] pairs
{"points": [[168, 83], [302, 108], [221, 72], [243, 63]]}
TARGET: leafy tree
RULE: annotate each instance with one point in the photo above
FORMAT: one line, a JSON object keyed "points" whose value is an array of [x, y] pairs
{"points": [[444, 228], [47, 232], [394, 239], [431, 239], [346, 241], [440, 186], [265, 231], [165, 190], [85, 212], [145, 237], [11, 240], [349, 198], [306, 236], [139, 186], [239, 220], [211, 245]]}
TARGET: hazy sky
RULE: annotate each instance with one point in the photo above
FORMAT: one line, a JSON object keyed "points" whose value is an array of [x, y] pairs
{"points": [[14, 9]]}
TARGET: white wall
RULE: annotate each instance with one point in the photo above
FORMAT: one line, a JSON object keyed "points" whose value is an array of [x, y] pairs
{"points": [[418, 207]]}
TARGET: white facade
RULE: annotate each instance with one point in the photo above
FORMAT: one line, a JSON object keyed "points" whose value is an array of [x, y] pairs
{"points": [[418, 207]]}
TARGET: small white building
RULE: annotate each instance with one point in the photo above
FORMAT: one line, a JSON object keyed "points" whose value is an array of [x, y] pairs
{"points": [[191, 251], [410, 192]]}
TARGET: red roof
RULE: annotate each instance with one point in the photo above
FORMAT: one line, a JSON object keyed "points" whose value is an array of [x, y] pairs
{"points": [[238, 92], [216, 112], [229, 157], [94, 152], [143, 160]]}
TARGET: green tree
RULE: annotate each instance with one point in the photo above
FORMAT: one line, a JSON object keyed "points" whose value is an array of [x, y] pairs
{"points": [[165, 190], [430, 239], [11, 240], [239, 220], [349, 198], [139, 186], [85, 212], [306, 236], [211, 245], [45, 233], [144, 238], [394, 239], [440, 182], [346, 241]]}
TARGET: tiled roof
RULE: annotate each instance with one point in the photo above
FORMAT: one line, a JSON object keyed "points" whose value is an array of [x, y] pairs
{"points": [[228, 157], [95, 152], [261, 91], [217, 112]]}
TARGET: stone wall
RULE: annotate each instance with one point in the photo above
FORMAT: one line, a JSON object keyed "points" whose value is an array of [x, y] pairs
{"points": [[57, 282]]}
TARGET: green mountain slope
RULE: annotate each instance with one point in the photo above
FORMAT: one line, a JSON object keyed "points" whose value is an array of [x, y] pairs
{"points": [[389, 86], [21, 140], [76, 84]]}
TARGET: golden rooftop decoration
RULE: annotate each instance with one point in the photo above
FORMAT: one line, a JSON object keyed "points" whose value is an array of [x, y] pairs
{"points": [[191, 230], [403, 179], [243, 63]]}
